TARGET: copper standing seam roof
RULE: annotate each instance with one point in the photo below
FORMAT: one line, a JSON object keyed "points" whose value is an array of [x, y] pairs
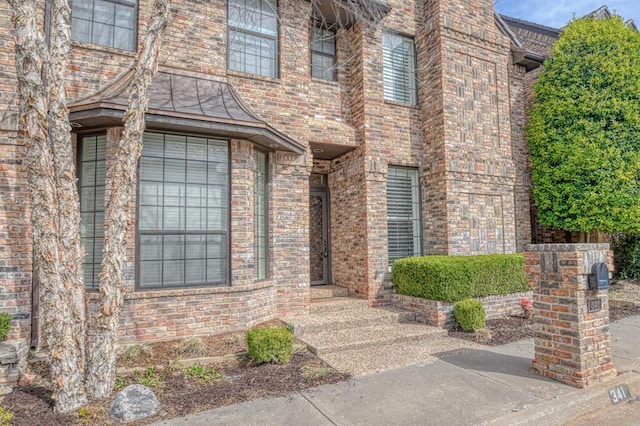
{"points": [[182, 101]]}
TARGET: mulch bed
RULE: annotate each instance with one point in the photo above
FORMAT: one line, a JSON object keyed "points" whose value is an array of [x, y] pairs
{"points": [[507, 330], [180, 395]]}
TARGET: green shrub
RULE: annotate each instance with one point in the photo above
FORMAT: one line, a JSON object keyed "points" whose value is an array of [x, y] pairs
{"points": [[6, 416], [5, 324], [626, 253], [470, 314], [453, 278], [270, 345]]}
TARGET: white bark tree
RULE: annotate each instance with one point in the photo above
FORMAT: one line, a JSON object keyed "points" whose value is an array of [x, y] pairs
{"points": [[120, 183], [54, 208]]}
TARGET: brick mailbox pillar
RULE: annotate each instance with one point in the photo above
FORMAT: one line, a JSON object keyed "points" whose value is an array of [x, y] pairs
{"points": [[572, 340]]}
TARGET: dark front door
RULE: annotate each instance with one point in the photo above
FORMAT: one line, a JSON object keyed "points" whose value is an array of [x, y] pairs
{"points": [[318, 236]]}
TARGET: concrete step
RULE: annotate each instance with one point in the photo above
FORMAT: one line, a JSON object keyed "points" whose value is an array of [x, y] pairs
{"points": [[320, 292], [329, 341], [349, 318], [336, 304]]}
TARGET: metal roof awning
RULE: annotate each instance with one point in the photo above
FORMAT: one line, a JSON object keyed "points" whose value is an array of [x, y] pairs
{"points": [[179, 101]]}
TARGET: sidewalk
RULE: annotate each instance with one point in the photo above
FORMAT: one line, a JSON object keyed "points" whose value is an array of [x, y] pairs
{"points": [[481, 386]]}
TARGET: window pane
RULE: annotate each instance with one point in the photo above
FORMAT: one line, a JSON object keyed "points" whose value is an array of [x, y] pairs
{"points": [[403, 213], [151, 274], [323, 53], [167, 203], [150, 247], [173, 247], [399, 68], [82, 9], [91, 191], [260, 214], [104, 12], [105, 22], [196, 247], [151, 168], [196, 271], [123, 39], [81, 30], [253, 32], [102, 34], [197, 172], [125, 16]]}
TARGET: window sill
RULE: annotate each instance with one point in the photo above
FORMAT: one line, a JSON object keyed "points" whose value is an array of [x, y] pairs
{"points": [[252, 76], [400, 104], [98, 48], [334, 83], [189, 291]]}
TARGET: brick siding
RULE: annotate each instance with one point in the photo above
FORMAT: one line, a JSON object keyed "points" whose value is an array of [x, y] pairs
{"points": [[440, 314]]}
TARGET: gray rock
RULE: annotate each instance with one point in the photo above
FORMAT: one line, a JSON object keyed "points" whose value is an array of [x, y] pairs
{"points": [[134, 402]]}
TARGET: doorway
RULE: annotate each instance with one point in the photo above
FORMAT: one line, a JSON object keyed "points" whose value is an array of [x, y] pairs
{"points": [[319, 241]]}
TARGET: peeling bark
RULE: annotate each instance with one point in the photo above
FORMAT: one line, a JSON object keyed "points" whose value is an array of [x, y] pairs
{"points": [[60, 324], [120, 182]]}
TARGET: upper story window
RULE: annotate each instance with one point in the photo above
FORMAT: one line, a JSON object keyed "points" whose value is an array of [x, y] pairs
{"points": [[253, 37], [110, 23], [323, 53], [399, 68]]}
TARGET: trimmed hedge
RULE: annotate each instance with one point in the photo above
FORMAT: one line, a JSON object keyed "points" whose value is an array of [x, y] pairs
{"points": [[453, 278]]}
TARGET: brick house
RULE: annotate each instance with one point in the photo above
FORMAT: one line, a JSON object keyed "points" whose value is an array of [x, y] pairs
{"points": [[282, 153]]}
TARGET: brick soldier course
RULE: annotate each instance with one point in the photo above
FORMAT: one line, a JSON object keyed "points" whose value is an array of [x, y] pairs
{"points": [[464, 135], [572, 344]]}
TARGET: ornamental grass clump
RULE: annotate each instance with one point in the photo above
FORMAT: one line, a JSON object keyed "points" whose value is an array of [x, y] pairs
{"points": [[470, 314], [272, 345]]}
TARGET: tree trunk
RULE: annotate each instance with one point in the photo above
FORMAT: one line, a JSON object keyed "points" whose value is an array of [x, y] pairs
{"points": [[68, 201], [120, 182], [65, 356]]}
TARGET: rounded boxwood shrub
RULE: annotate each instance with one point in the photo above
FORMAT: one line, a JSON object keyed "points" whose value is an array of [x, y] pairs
{"points": [[470, 314], [5, 324], [270, 345]]}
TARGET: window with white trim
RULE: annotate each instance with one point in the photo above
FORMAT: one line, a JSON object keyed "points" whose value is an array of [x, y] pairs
{"points": [[403, 213], [109, 23], [399, 68], [253, 37]]}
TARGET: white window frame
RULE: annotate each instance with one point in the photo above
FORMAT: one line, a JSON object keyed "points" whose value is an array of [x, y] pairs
{"points": [[399, 68]]}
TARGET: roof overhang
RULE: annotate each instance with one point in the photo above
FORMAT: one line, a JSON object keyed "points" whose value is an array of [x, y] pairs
{"points": [[528, 59], [184, 103]]}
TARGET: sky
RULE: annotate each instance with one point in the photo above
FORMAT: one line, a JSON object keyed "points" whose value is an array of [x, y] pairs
{"points": [[557, 13]]}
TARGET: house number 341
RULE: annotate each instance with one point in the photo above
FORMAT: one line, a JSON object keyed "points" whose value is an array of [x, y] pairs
{"points": [[619, 393]]}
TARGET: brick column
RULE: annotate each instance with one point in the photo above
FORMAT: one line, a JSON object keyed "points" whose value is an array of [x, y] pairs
{"points": [[572, 341]]}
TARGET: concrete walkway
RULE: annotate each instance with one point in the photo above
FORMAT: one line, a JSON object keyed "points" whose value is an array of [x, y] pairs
{"points": [[481, 386]]}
